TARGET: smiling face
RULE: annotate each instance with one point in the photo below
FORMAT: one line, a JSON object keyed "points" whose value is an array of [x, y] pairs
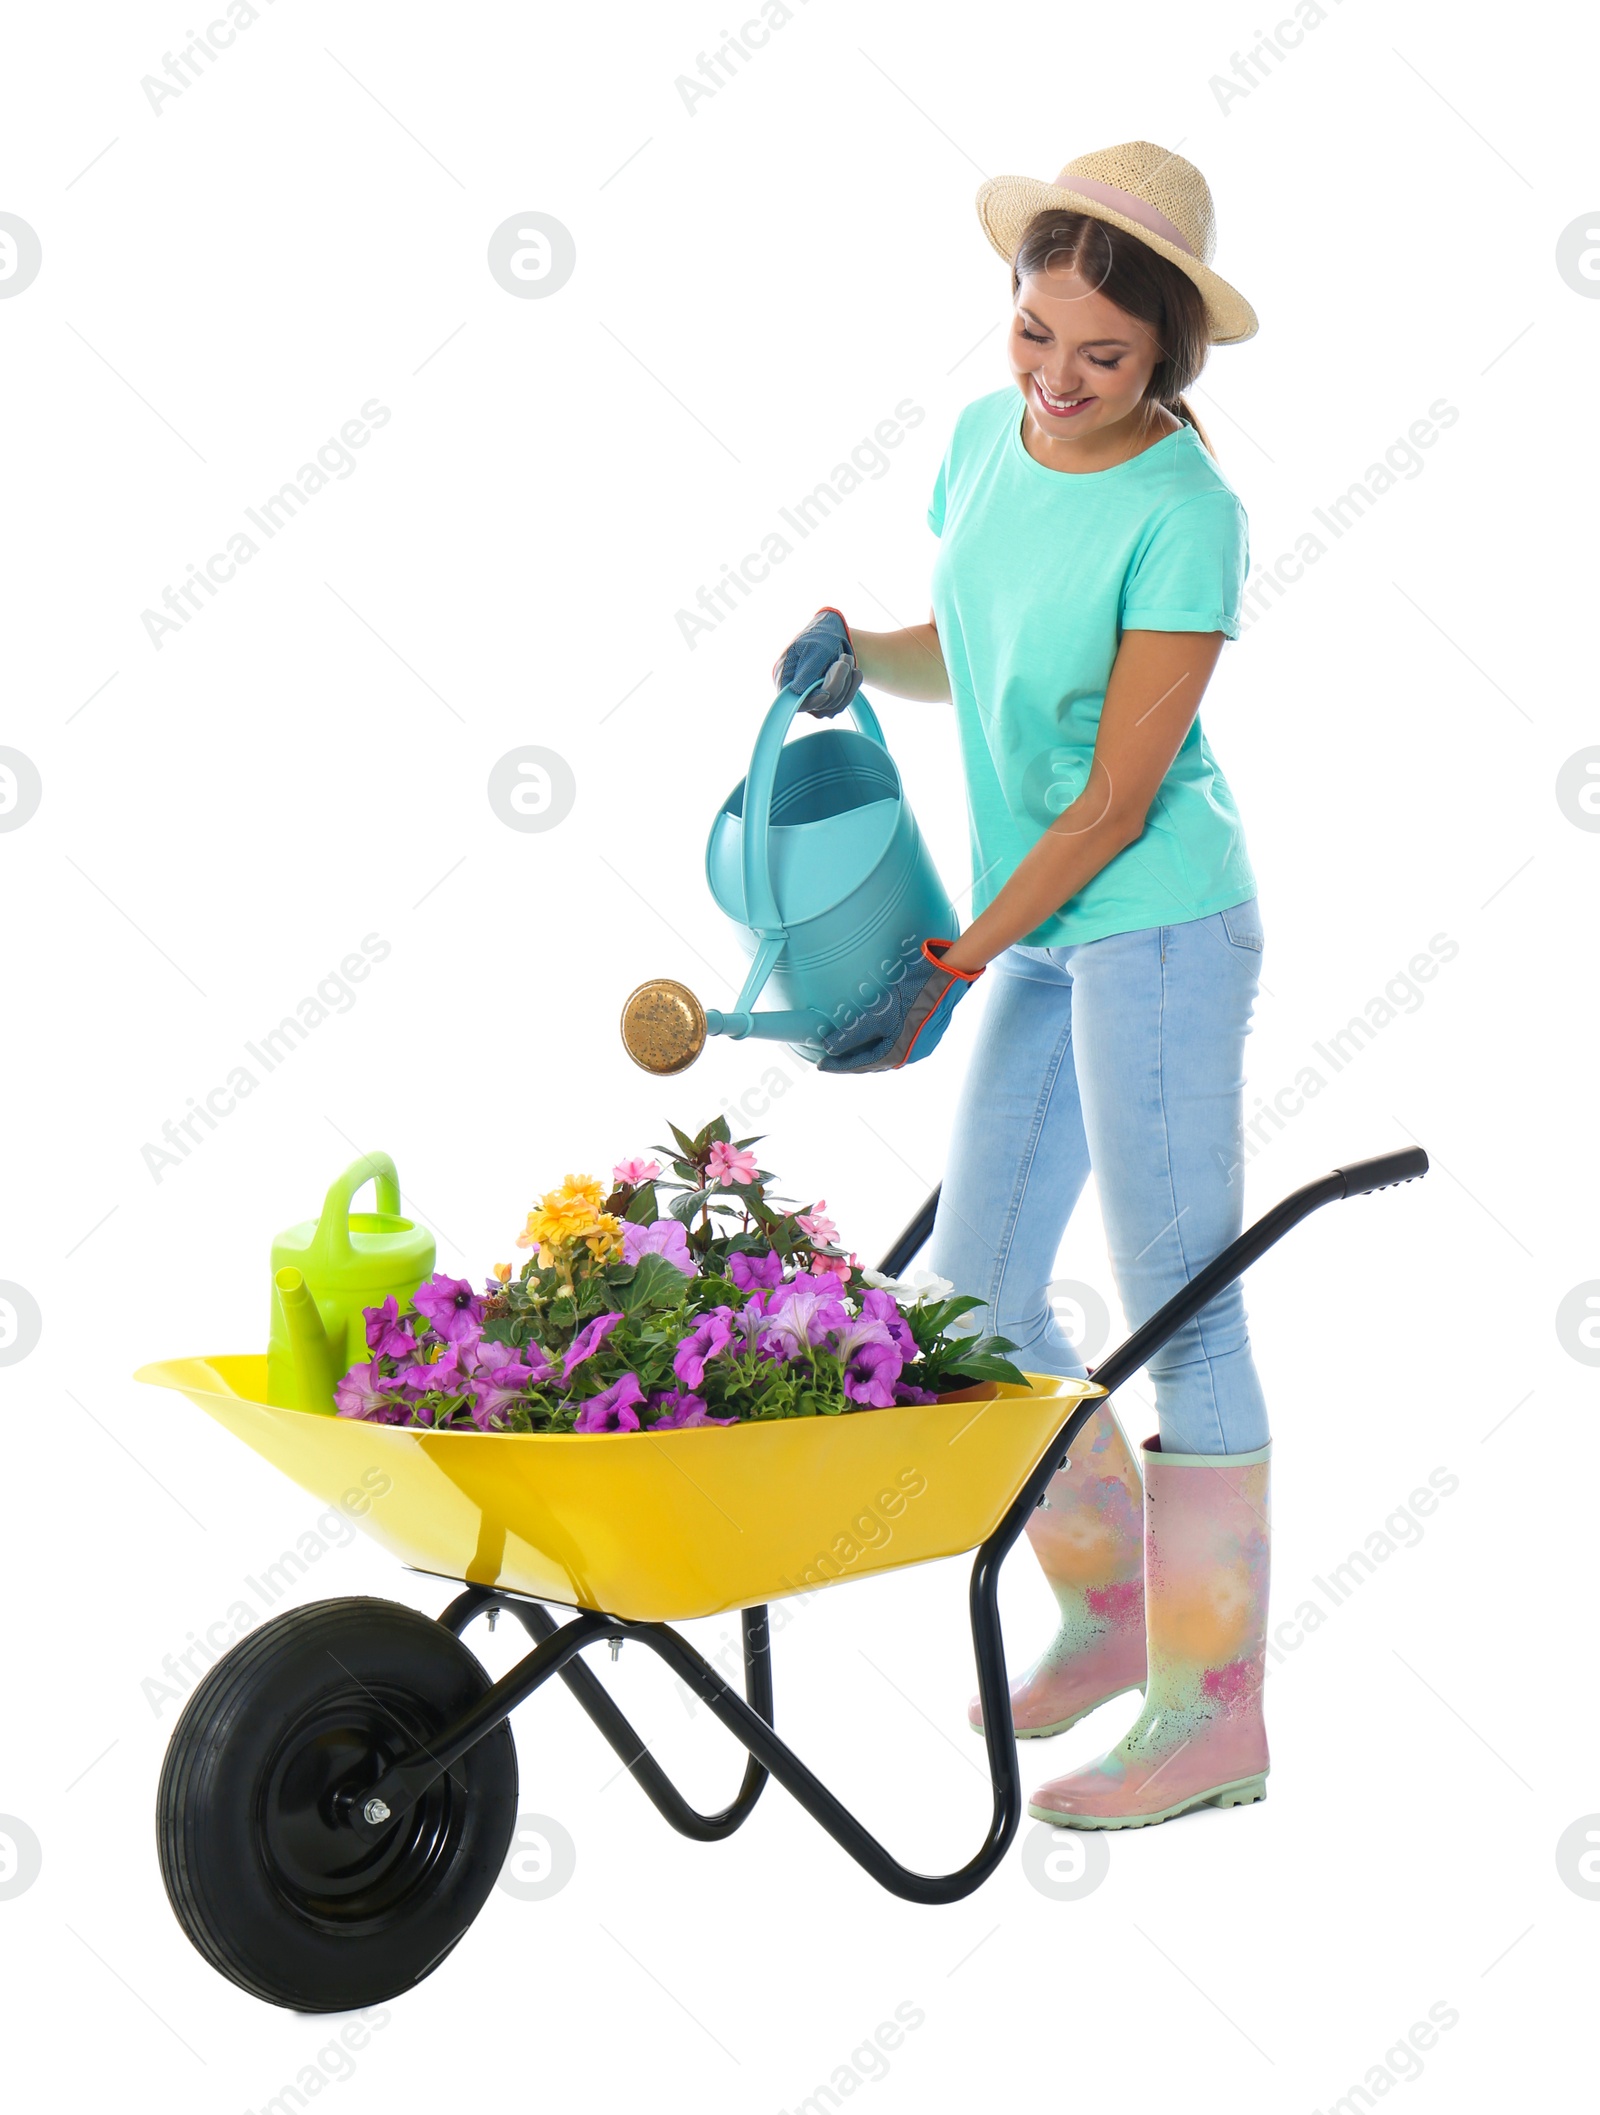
{"points": [[1083, 366]]}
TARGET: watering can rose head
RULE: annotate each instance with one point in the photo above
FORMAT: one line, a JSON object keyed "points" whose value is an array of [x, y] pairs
{"points": [[685, 1295]]}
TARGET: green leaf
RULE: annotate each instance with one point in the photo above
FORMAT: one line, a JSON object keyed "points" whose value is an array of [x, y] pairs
{"points": [[643, 1206], [716, 1129], [982, 1366], [655, 1285], [961, 1304], [686, 1146]]}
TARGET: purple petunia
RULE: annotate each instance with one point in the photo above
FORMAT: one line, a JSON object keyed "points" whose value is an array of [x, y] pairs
{"points": [[613, 1409], [363, 1393], [498, 1380], [870, 1373], [387, 1334], [665, 1237], [451, 1306], [801, 1316], [491, 1359], [712, 1334], [449, 1374], [588, 1341], [882, 1307], [756, 1273], [679, 1412]]}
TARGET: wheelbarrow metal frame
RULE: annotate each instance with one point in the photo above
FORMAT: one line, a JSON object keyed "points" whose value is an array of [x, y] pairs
{"points": [[749, 1718]]}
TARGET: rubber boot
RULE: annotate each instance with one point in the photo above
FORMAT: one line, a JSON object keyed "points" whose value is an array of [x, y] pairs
{"points": [[1089, 1543], [1200, 1739]]}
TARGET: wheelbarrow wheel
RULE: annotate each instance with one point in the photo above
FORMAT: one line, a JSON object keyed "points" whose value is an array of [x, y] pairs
{"points": [[275, 1890]]}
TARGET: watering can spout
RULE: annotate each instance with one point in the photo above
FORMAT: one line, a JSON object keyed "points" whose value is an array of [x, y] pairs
{"points": [[311, 1359]]}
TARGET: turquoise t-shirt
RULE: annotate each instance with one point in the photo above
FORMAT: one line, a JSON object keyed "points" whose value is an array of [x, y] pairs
{"points": [[1039, 574]]}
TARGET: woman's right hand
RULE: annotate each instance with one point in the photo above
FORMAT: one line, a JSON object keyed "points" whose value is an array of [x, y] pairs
{"points": [[820, 653]]}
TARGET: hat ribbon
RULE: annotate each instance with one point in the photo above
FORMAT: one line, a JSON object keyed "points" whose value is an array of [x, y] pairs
{"points": [[1128, 203]]}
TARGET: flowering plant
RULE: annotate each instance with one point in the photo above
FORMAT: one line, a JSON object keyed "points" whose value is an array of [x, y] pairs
{"points": [[727, 1307]]}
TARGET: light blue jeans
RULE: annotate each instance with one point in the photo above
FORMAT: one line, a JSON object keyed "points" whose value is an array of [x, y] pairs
{"points": [[1124, 1056]]}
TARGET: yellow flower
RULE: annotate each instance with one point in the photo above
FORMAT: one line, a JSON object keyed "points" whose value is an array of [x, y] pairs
{"points": [[503, 1272], [605, 1237], [570, 1213]]}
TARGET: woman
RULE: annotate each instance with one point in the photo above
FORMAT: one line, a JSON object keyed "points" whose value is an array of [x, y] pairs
{"points": [[1091, 562]]}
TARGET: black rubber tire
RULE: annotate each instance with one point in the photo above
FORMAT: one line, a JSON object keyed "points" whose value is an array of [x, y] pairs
{"points": [[273, 1891]]}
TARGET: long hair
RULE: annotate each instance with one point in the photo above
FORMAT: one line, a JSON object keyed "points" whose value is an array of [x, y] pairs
{"points": [[1139, 281]]}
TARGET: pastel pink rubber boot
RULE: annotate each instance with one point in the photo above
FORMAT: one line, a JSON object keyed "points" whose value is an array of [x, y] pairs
{"points": [[1200, 1739], [1090, 1546]]}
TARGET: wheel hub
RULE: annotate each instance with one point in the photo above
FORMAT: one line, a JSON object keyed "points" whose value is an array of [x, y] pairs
{"points": [[329, 1871]]}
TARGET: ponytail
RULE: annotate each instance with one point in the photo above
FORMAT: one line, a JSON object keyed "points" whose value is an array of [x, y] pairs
{"points": [[1181, 408]]}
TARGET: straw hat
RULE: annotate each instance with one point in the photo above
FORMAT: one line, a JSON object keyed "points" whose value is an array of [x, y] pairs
{"points": [[1145, 191]]}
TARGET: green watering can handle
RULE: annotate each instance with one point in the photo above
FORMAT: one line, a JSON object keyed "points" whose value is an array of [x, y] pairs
{"points": [[330, 1245], [760, 901]]}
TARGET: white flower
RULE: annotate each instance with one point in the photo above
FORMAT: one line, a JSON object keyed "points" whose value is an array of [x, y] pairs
{"points": [[921, 1289]]}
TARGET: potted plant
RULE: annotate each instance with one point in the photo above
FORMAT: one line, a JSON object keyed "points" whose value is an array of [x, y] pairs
{"points": [[685, 1294]]}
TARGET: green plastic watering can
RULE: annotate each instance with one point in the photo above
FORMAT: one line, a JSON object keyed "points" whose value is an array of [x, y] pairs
{"points": [[325, 1271], [816, 857]]}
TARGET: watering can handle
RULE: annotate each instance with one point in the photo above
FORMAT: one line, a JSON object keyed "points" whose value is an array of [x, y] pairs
{"points": [[331, 1242], [760, 900]]}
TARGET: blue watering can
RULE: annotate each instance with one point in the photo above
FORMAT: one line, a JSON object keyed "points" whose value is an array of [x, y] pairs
{"points": [[816, 857]]}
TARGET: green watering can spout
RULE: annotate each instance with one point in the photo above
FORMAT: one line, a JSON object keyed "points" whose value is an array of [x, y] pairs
{"points": [[817, 858], [310, 1355], [326, 1271]]}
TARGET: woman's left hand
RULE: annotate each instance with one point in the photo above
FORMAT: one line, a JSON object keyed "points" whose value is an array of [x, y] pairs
{"points": [[909, 1023]]}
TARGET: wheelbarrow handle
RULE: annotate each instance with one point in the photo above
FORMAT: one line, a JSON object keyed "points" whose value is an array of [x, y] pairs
{"points": [[1357, 1180], [1384, 1170]]}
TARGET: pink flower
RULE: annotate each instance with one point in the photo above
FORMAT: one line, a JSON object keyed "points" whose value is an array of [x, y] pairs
{"points": [[612, 1410], [666, 1237], [729, 1165], [838, 1267], [818, 1225], [635, 1173]]}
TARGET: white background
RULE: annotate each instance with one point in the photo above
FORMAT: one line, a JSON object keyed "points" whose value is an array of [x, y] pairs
{"points": [[759, 282]]}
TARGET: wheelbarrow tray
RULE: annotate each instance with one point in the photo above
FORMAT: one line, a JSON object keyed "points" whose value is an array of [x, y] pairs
{"points": [[658, 1527]]}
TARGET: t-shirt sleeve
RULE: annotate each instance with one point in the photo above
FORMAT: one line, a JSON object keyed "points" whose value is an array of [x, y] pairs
{"points": [[1189, 575]]}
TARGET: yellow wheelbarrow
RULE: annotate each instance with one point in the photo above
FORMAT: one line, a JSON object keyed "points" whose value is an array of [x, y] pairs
{"points": [[340, 1792]]}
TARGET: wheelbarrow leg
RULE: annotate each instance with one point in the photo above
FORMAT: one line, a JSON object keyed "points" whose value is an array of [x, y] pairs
{"points": [[631, 1750]]}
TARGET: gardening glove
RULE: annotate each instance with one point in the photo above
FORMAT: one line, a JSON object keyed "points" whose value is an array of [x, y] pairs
{"points": [[909, 1022], [820, 653]]}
